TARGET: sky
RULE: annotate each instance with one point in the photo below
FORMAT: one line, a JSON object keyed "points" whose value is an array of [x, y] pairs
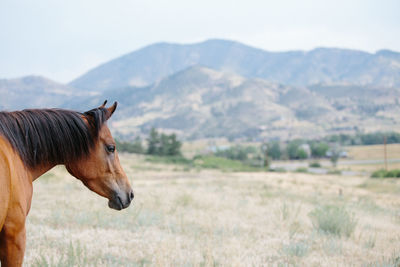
{"points": [[62, 40]]}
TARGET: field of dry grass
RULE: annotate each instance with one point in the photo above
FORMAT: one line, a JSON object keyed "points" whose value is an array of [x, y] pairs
{"points": [[371, 158], [210, 218], [373, 152]]}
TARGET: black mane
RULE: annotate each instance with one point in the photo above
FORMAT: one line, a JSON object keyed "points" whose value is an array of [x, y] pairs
{"points": [[52, 136]]}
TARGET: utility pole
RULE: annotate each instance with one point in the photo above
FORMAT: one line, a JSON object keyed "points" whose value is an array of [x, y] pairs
{"points": [[385, 151]]}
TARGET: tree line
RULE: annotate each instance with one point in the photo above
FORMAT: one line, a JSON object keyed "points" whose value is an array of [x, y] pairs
{"points": [[376, 138], [168, 145], [159, 144], [297, 149]]}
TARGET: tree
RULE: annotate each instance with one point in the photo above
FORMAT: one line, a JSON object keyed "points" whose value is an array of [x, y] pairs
{"points": [[293, 149], [301, 154], [335, 152], [174, 148], [163, 145], [318, 150], [153, 142], [274, 150], [137, 146]]}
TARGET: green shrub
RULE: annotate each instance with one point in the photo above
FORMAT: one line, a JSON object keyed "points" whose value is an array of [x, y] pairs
{"points": [[335, 220], [335, 171], [301, 169], [315, 164], [278, 169], [378, 174], [393, 173], [386, 174]]}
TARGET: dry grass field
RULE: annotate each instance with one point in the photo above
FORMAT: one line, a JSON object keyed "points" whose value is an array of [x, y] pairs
{"points": [[373, 152], [184, 217], [371, 158]]}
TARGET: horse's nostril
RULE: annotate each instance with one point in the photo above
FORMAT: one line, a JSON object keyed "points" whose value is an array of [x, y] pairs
{"points": [[131, 195]]}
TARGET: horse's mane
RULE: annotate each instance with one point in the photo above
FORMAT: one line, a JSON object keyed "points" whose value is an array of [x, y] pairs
{"points": [[52, 136]]}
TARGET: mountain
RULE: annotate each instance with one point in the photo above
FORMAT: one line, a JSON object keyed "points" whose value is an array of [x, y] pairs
{"points": [[298, 68], [226, 89], [34, 92], [200, 102]]}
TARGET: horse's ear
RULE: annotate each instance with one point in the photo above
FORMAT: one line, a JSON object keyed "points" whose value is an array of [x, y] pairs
{"points": [[111, 109], [104, 104]]}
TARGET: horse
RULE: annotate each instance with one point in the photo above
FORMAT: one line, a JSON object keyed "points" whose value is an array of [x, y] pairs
{"points": [[33, 141]]}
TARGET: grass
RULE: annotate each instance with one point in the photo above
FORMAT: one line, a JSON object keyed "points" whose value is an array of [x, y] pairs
{"points": [[224, 164], [370, 242], [206, 162], [296, 249], [75, 255], [169, 160], [373, 152], [334, 220], [212, 217], [381, 186], [332, 247], [184, 200], [391, 261]]}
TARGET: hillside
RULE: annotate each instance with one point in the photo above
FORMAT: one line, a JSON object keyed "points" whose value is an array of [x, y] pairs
{"points": [[298, 68], [199, 102]]}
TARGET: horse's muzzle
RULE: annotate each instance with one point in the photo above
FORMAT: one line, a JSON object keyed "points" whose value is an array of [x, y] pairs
{"points": [[121, 200]]}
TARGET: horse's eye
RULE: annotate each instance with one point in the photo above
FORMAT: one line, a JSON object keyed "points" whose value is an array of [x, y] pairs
{"points": [[110, 148]]}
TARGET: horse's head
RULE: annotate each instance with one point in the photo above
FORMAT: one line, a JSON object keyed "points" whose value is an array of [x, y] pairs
{"points": [[101, 170]]}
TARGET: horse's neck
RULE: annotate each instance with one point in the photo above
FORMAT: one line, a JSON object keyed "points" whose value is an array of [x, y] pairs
{"points": [[12, 159], [11, 156], [40, 170]]}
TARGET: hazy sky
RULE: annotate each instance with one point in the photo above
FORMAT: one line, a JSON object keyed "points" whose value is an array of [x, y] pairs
{"points": [[62, 39]]}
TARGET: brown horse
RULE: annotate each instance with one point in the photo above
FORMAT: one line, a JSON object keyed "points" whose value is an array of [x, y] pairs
{"points": [[34, 141]]}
